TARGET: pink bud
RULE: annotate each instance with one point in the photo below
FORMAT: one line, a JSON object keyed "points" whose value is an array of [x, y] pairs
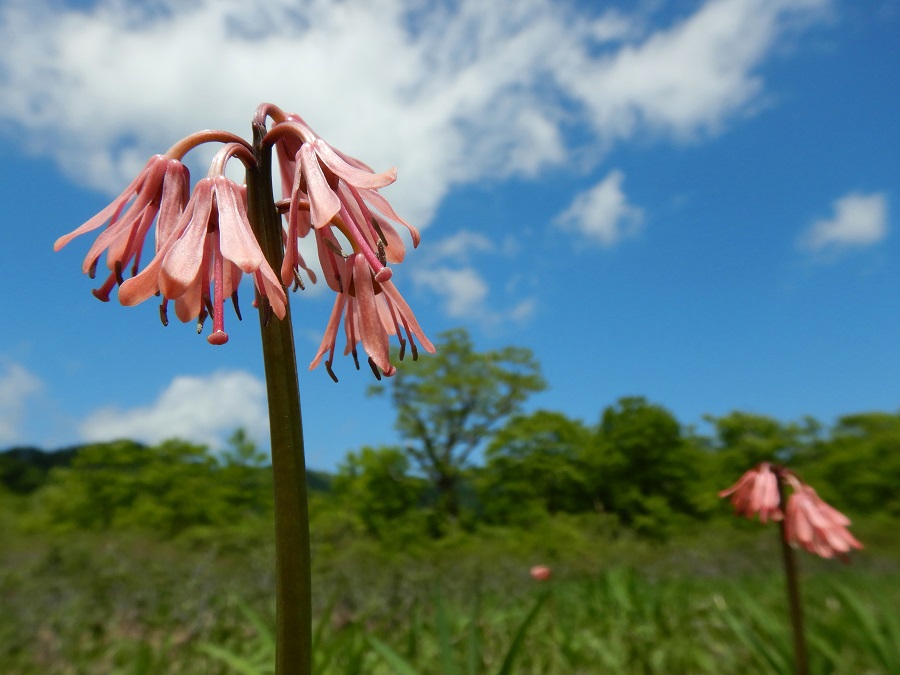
{"points": [[540, 572]]}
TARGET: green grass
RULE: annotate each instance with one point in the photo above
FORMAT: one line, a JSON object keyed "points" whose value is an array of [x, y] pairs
{"points": [[129, 604]]}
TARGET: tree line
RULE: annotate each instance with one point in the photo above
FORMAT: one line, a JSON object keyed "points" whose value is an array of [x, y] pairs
{"points": [[470, 457]]}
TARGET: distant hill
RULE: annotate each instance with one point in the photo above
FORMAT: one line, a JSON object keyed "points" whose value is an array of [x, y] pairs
{"points": [[24, 469]]}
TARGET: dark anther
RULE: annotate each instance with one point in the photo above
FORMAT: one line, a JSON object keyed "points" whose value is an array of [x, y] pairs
{"points": [[100, 294], [355, 358], [378, 230], [402, 346], [330, 371], [339, 282], [298, 282], [375, 369], [163, 315], [200, 320], [119, 278], [92, 271], [382, 258], [336, 248], [415, 352], [237, 308]]}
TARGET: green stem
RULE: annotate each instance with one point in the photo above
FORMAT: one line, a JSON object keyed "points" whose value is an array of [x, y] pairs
{"points": [[792, 577], [293, 613]]}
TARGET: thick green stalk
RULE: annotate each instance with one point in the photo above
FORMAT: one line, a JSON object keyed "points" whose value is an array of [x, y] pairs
{"points": [[293, 611], [792, 577]]}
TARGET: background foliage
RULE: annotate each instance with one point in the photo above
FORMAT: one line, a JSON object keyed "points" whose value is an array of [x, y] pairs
{"points": [[123, 558]]}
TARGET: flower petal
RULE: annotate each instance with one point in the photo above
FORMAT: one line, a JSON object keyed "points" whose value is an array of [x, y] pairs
{"points": [[323, 203], [182, 263], [236, 239], [373, 335], [355, 177]]}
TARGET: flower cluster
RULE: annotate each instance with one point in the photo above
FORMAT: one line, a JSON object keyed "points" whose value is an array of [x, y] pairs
{"points": [[336, 197], [204, 241], [809, 522]]}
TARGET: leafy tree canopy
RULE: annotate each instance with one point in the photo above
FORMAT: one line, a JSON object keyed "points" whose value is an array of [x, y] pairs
{"points": [[449, 404]]}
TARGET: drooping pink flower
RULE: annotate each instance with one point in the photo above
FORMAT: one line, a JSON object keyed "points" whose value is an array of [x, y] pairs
{"points": [[336, 190], [756, 492], [159, 193], [372, 311], [540, 573], [208, 248], [817, 527]]}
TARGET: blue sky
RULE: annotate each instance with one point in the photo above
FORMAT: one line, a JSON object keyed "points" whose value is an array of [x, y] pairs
{"points": [[691, 201]]}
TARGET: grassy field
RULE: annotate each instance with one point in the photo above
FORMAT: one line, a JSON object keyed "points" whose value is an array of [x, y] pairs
{"points": [[131, 604]]}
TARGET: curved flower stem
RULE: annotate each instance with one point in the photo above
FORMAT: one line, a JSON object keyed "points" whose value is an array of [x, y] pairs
{"points": [[792, 577], [186, 144], [293, 613]]}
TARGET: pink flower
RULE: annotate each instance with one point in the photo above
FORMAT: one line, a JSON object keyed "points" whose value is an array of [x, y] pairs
{"points": [[162, 190], [327, 188], [756, 492], [372, 311], [210, 246], [540, 573], [815, 526], [330, 193]]}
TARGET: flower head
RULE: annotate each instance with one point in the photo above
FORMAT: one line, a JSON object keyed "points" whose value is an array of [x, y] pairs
{"points": [[159, 193], [203, 255], [326, 188], [336, 197], [372, 312], [817, 527], [204, 242], [756, 492]]}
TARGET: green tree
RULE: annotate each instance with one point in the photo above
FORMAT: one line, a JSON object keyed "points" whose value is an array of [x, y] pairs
{"points": [[165, 488], [744, 439], [644, 470], [377, 487], [858, 467], [99, 483], [449, 403], [245, 479], [535, 463]]}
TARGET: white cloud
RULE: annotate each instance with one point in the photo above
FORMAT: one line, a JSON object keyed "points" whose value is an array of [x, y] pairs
{"points": [[463, 290], [859, 220], [16, 386], [447, 270], [685, 79], [200, 409], [460, 246], [451, 93], [603, 212]]}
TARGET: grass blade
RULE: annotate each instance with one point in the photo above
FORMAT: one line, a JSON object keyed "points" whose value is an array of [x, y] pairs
{"points": [[448, 664], [235, 662], [519, 638], [473, 650], [400, 665]]}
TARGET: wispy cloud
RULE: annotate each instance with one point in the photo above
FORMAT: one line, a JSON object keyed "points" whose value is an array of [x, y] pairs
{"points": [[859, 220], [603, 213], [449, 272], [463, 290], [17, 385], [452, 93], [200, 409]]}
